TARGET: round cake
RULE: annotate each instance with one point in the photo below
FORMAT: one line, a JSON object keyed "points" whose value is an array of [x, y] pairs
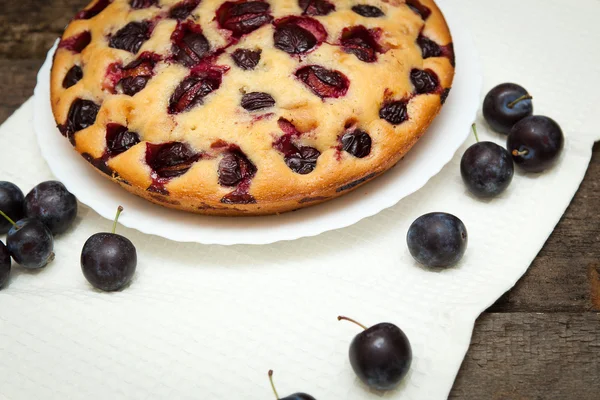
{"points": [[249, 107]]}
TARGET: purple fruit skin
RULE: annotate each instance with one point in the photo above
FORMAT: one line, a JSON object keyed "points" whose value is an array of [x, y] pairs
{"points": [[108, 261], [487, 169], [11, 203], [53, 204], [5, 264], [541, 137], [437, 240], [30, 243]]}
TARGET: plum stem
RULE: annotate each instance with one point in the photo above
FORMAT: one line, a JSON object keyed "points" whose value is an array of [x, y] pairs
{"points": [[272, 384], [518, 153], [515, 102], [474, 128], [8, 218], [119, 211], [351, 320]]}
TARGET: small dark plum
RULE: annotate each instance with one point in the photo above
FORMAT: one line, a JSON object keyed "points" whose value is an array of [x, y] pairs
{"points": [[486, 168], [437, 239], [295, 396], [380, 355], [108, 260], [4, 264], [53, 204], [505, 105], [535, 143], [11, 202], [30, 242]]}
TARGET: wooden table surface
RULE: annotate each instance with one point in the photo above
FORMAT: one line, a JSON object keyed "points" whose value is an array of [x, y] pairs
{"points": [[540, 341]]}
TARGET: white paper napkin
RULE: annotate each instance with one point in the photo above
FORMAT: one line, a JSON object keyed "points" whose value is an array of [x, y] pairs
{"points": [[207, 322]]}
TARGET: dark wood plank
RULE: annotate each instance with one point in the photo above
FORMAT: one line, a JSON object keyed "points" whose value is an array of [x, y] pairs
{"points": [[29, 27], [17, 81], [528, 356]]}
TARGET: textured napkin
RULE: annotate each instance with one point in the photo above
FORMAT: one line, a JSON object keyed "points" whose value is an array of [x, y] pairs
{"points": [[207, 322]]}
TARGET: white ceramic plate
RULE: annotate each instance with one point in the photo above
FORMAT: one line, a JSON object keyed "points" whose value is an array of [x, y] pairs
{"points": [[425, 160]]}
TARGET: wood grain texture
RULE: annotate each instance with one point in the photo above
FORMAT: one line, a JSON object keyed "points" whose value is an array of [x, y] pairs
{"points": [[531, 356], [540, 341]]}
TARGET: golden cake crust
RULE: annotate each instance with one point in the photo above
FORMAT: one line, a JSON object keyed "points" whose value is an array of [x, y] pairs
{"points": [[218, 125]]}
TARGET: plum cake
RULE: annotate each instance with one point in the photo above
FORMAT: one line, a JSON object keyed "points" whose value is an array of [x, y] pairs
{"points": [[249, 107]]}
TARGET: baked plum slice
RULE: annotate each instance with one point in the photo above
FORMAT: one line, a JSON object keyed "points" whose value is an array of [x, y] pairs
{"points": [[190, 46], [235, 167], [193, 89], [298, 35], [182, 10], [255, 101], [424, 81], [300, 159], [242, 17], [246, 59], [356, 142], [394, 112], [131, 37], [139, 4], [119, 139], [76, 43], [324, 82], [361, 42], [74, 75], [170, 160], [82, 114], [316, 7]]}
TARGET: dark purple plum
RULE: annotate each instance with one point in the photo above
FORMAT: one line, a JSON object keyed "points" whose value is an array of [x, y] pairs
{"points": [[368, 11], [417, 7], [235, 167], [361, 42], [380, 355], [73, 76], [437, 239], [108, 260], [119, 139], [316, 7], [53, 204], [242, 17], [82, 114], [424, 81], [11, 203], [505, 105], [486, 168], [170, 160], [394, 112], [182, 10], [255, 101], [76, 43], [357, 143], [131, 37], [30, 242], [294, 39], [190, 46], [535, 143], [246, 59], [192, 91], [295, 396], [5, 264], [324, 82], [139, 4], [303, 161]]}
